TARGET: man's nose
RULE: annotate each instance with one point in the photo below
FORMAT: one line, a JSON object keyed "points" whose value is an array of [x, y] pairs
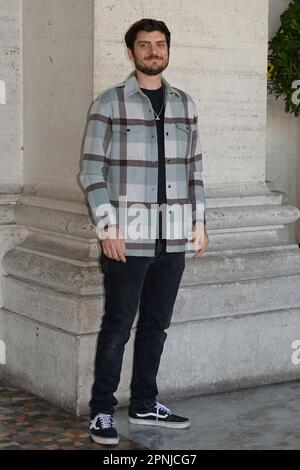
{"points": [[153, 51]]}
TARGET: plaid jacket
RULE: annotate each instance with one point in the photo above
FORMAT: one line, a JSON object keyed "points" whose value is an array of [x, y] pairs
{"points": [[119, 170]]}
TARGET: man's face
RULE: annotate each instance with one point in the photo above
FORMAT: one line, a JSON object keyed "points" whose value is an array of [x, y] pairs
{"points": [[150, 54]]}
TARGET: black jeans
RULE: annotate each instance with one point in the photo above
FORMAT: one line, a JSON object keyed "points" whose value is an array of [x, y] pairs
{"points": [[150, 283]]}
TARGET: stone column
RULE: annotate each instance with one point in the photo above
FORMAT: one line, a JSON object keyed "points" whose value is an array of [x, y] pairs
{"points": [[49, 318], [237, 311], [11, 139]]}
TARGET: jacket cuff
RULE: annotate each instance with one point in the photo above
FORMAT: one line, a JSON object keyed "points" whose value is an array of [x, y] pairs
{"points": [[203, 220]]}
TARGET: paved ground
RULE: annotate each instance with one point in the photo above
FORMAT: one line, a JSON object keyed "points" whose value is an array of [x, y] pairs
{"points": [[266, 417], [27, 422]]}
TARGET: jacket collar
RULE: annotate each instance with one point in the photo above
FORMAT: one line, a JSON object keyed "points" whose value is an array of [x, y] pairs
{"points": [[132, 86]]}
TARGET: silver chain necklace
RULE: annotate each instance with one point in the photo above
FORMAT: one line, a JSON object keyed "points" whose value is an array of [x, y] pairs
{"points": [[157, 115]]}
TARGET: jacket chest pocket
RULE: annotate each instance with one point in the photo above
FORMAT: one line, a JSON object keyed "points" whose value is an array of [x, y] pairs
{"points": [[128, 142], [183, 139]]}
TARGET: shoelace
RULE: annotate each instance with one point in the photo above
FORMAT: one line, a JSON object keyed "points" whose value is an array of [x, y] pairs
{"points": [[159, 407], [105, 420]]}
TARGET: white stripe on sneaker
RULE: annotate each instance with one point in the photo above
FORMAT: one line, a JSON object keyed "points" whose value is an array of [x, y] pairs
{"points": [[165, 424], [144, 415]]}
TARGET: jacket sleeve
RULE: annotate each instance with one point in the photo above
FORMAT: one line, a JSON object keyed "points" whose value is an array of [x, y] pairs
{"points": [[196, 187], [94, 164]]}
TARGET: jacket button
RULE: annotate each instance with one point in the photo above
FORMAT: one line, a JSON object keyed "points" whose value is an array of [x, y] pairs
{"points": [[168, 159], [169, 185]]}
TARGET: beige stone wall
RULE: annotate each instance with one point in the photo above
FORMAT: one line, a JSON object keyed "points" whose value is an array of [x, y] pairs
{"points": [[218, 55], [58, 77], [11, 96]]}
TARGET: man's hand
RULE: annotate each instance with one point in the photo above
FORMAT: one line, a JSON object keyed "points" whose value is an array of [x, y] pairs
{"points": [[113, 243], [199, 238]]}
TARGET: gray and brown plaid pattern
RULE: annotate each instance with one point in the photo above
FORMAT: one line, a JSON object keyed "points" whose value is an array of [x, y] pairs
{"points": [[120, 166]]}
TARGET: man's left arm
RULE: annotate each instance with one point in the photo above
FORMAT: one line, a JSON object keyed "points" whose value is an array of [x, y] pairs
{"points": [[196, 189]]}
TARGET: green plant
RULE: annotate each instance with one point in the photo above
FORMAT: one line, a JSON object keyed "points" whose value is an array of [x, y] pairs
{"points": [[284, 59]]}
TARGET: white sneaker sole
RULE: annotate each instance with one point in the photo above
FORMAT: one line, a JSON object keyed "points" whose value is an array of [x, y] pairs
{"points": [[160, 423], [105, 440]]}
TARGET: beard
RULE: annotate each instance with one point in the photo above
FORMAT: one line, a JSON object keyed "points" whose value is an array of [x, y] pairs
{"points": [[151, 67]]}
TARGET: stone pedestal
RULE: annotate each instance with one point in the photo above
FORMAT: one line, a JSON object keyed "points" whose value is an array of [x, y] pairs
{"points": [[235, 318], [237, 312]]}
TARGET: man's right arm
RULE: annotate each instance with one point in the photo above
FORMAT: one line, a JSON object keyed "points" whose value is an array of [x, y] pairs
{"points": [[94, 164]]}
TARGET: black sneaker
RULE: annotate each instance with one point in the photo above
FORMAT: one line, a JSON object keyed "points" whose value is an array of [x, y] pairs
{"points": [[158, 415], [102, 430]]}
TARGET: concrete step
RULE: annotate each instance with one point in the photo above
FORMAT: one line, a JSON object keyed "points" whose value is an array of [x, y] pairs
{"points": [[84, 278], [237, 298], [233, 265], [231, 198], [221, 288]]}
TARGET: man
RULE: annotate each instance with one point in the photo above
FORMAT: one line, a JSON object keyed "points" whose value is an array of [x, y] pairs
{"points": [[142, 146]]}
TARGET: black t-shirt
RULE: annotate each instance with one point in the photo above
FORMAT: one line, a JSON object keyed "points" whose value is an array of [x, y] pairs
{"points": [[156, 98]]}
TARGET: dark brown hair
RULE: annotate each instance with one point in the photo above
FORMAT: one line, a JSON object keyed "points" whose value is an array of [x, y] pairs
{"points": [[146, 24]]}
